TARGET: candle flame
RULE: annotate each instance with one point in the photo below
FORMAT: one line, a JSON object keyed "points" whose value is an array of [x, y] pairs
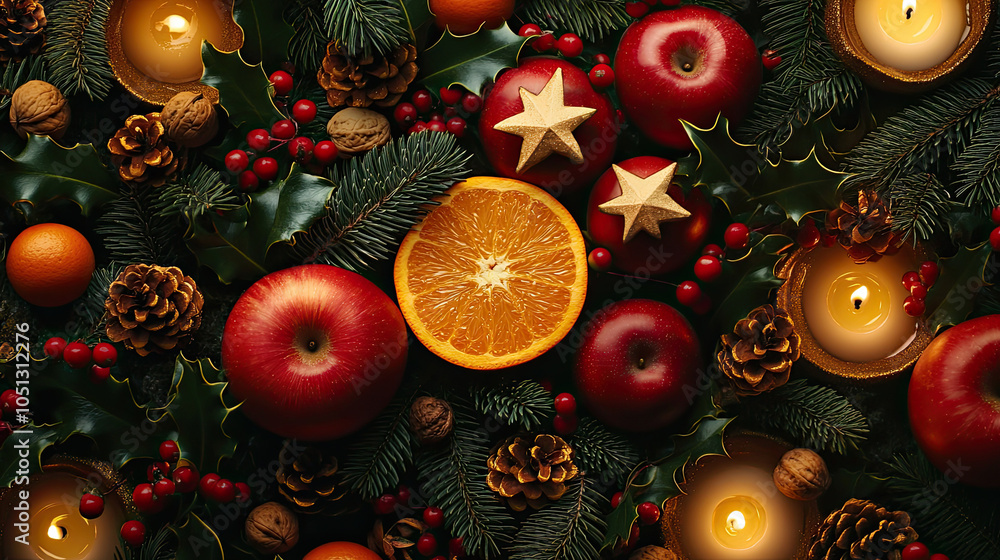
{"points": [[859, 296], [176, 24], [56, 532], [735, 522], [908, 7]]}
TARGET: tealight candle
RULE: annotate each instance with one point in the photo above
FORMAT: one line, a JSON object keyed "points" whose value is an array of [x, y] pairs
{"points": [[739, 522], [162, 38], [911, 35]]}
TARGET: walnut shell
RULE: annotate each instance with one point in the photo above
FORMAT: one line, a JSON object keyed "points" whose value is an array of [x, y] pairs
{"points": [[39, 107], [653, 552], [272, 528], [430, 419], [802, 475], [190, 119], [355, 131]]}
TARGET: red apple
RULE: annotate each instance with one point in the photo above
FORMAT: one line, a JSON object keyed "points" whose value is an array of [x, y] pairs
{"points": [[636, 360], [954, 402], [315, 351], [688, 63]]}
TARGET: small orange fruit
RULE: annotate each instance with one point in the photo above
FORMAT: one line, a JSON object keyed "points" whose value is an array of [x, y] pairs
{"points": [[494, 276], [50, 264], [465, 16], [341, 550]]}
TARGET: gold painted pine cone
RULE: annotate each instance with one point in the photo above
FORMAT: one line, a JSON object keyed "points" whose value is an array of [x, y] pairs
{"points": [[153, 308], [22, 29], [379, 80], [866, 230], [758, 355], [861, 530], [530, 473], [142, 153], [310, 482]]}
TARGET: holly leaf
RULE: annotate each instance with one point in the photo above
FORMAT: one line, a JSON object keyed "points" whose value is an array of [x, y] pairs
{"points": [[245, 91], [725, 166], [196, 540], [953, 295], [470, 60], [44, 171], [265, 32], [224, 247], [798, 187], [417, 14], [748, 282]]}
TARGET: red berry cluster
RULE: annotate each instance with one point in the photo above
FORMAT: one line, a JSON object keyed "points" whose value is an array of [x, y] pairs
{"points": [[995, 234], [917, 283], [569, 45], [423, 113], [565, 422], [648, 514], [637, 9], [78, 355], [433, 517], [920, 551]]}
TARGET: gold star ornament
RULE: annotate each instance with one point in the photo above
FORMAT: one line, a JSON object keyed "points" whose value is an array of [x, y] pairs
{"points": [[644, 203], [546, 125]]}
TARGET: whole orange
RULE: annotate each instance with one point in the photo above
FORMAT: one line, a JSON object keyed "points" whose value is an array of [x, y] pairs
{"points": [[50, 264], [465, 16], [341, 550]]}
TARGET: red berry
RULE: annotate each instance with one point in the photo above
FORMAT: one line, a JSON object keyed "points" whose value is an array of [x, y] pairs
{"points": [[737, 236], [304, 111], [145, 499], [105, 354], [224, 491], [708, 268], [928, 273], [916, 551], [939, 556], [242, 492], [456, 126], [910, 279], [206, 484], [453, 95], [918, 291], [649, 513], [565, 403], [565, 424], [405, 113], [259, 139], [301, 149], [437, 117], [616, 499], [133, 533], [713, 250], [688, 293], [77, 355], [283, 83], [403, 495], [670, 2], [633, 535], [283, 129], [385, 504], [809, 235], [248, 181], [266, 168], [530, 30], [995, 239], [170, 451], [600, 259], [602, 58], [602, 76], [472, 103], [914, 307], [770, 59], [995, 215], [325, 152], [427, 544], [544, 42], [570, 45], [237, 161], [434, 517], [91, 506], [164, 488], [421, 126], [99, 374], [54, 347], [636, 9], [8, 402], [437, 126], [423, 101], [455, 547], [186, 479]]}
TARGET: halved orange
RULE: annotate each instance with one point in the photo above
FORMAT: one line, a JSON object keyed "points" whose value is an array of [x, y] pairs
{"points": [[494, 276]]}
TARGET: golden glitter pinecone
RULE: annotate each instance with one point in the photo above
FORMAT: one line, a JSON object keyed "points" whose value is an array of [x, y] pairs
{"points": [[866, 230], [142, 153], [376, 79], [22, 29], [530, 473], [757, 356], [153, 308], [861, 530], [309, 482]]}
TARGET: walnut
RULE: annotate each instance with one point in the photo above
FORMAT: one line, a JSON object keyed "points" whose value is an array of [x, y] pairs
{"points": [[272, 528], [653, 552], [190, 119], [355, 131], [802, 475], [430, 419], [39, 107]]}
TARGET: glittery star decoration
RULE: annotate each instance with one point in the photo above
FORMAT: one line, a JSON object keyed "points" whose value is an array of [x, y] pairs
{"points": [[644, 203], [546, 125]]}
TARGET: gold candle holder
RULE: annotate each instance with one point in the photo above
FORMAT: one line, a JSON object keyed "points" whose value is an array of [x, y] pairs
{"points": [[847, 44]]}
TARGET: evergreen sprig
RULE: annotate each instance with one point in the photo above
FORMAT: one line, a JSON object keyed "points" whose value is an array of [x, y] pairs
{"points": [[16, 74], [134, 232], [920, 204], [591, 19], [814, 416], [91, 307], [77, 53], [604, 455], [379, 198], [309, 41], [524, 403], [192, 195], [978, 167], [572, 528], [158, 547], [383, 451], [366, 27], [454, 478]]}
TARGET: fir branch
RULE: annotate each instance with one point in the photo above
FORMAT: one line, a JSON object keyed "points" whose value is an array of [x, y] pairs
{"points": [[76, 52], [814, 416], [366, 27], [603, 454], [17, 74], [379, 198], [943, 512], [525, 403], [731, 8], [919, 204], [454, 478], [192, 195], [156, 548], [134, 232], [310, 38], [591, 19], [978, 167], [570, 529], [383, 451], [92, 303]]}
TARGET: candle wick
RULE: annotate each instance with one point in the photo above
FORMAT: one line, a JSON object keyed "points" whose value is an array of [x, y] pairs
{"points": [[857, 304], [909, 12]]}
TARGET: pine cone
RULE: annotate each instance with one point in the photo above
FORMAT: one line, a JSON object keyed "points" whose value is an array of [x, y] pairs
{"points": [[865, 231], [310, 481], [758, 355], [141, 151], [531, 473], [153, 308], [376, 79], [21, 29], [862, 531]]}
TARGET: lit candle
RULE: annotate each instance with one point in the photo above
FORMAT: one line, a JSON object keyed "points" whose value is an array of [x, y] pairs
{"points": [[162, 39], [739, 522], [911, 35]]}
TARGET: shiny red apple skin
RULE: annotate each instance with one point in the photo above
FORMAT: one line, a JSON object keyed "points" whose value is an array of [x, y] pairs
{"points": [[954, 402], [655, 90], [361, 348], [679, 241], [609, 378]]}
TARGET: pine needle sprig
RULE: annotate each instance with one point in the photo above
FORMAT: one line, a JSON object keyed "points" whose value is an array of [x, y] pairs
{"points": [[978, 167], [815, 416], [193, 195], [383, 451], [307, 44], [365, 27], [17, 74], [91, 307], [134, 232], [591, 19], [76, 52], [920, 204], [454, 478], [156, 548], [604, 455], [379, 198], [524, 403], [570, 529]]}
